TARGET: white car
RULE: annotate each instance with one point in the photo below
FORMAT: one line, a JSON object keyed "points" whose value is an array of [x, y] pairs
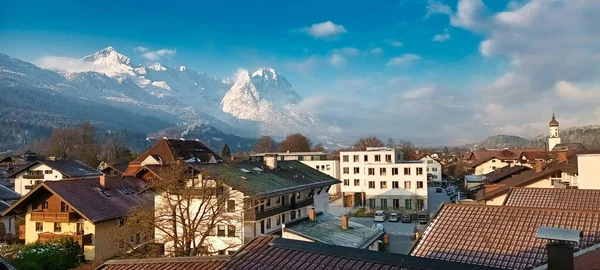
{"points": [[379, 216], [393, 217]]}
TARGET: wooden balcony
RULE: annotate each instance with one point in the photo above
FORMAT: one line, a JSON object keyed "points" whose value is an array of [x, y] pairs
{"points": [[254, 215], [54, 216], [33, 176], [81, 239], [21, 232]]}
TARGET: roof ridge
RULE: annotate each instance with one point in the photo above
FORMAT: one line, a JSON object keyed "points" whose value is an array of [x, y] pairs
{"points": [[169, 259], [518, 207]]}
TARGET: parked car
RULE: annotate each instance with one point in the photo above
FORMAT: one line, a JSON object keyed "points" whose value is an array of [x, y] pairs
{"points": [[405, 218], [379, 216], [422, 218], [393, 217], [438, 190]]}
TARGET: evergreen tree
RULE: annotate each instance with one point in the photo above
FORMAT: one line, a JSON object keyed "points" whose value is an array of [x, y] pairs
{"points": [[226, 152]]}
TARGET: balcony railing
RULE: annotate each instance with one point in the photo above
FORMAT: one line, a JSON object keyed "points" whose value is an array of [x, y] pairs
{"points": [[54, 216], [81, 239], [254, 214], [21, 232], [33, 176]]}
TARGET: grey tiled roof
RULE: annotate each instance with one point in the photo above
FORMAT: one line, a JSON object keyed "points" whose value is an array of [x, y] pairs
{"points": [[327, 229], [558, 198], [70, 168]]}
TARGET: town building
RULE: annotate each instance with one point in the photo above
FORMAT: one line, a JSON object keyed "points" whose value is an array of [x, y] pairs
{"points": [[7, 197], [50, 169], [553, 134], [260, 197], [11, 163], [380, 179], [90, 210], [328, 229], [317, 160], [434, 167]]}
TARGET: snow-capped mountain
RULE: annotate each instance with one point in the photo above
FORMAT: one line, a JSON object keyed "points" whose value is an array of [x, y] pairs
{"points": [[254, 103]]}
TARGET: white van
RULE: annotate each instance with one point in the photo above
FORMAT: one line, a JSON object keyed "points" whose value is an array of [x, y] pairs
{"points": [[379, 216]]}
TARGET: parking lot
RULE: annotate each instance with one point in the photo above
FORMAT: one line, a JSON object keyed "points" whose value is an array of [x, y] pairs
{"points": [[400, 234]]}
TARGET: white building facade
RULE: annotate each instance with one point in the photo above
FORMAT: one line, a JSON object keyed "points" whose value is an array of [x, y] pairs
{"points": [[329, 167], [378, 178], [434, 169]]}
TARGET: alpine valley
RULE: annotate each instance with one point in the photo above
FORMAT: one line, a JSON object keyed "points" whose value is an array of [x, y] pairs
{"points": [[118, 95]]}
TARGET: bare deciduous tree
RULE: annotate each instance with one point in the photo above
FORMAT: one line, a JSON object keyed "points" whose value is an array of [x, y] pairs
{"points": [[295, 143], [364, 142], [390, 143], [191, 209], [319, 148], [265, 144], [407, 149]]}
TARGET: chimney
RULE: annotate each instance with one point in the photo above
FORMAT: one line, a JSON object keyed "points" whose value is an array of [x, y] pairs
{"points": [[271, 160], [562, 156], [538, 166], [232, 158], [560, 248], [345, 219], [311, 213], [102, 181]]}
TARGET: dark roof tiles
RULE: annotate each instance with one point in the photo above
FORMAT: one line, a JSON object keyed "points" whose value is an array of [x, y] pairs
{"points": [[556, 198], [170, 150], [188, 263], [499, 236]]}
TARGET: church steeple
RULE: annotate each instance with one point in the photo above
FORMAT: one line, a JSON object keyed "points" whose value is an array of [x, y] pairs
{"points": [[553, 135]]}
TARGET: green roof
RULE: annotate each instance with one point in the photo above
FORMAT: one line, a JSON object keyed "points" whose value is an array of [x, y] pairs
{"points": [[327, 229], [259, 181]]}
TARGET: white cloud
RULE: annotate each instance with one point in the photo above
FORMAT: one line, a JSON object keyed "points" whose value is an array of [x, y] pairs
{"points": [[403, 60], [141, 49], [394, 43], [417, 94], [324, 30], [158, 54], [376, 51], [442, 37], [337, 60], [436, 7], [68, 64], [307, 66], [348, 51]]}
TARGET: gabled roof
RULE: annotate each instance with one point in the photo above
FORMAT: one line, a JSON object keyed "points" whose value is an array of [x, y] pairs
{"points": [[506, 154], [271, 253], [70, 168], [569, 147], [170, 150], [327, 229], [524, 179], [258, 181], [121, 168], [482, 160], [504, 172], [87, 198], [556, 198], [188, 263], [500, 236]]}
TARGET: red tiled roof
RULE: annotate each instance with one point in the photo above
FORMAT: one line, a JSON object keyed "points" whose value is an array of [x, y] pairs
{"points": [[188, 263], [506, 154], [500, 236], [556, 198]]}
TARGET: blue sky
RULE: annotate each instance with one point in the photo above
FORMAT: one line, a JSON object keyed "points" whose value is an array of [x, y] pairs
{"points": [[455, 56]]}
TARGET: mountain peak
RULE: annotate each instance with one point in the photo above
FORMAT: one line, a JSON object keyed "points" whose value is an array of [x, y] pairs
{"points": [[267, 73], [157, 66], [107, 56]]}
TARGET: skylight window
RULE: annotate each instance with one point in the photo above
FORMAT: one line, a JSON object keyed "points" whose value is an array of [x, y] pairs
{"points": [[258, 169], [244, 170]]}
